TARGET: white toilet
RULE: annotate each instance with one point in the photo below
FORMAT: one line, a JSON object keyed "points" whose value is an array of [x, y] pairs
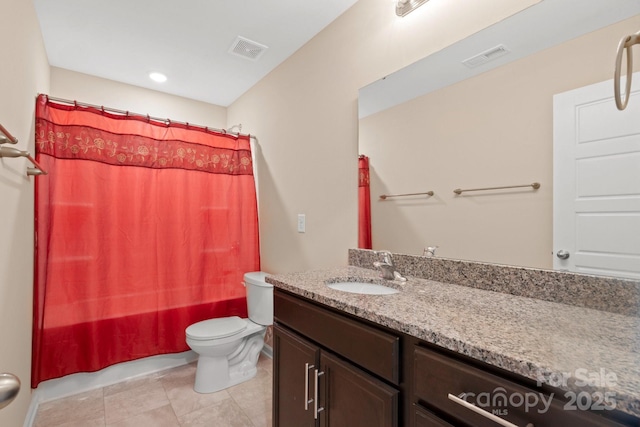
{"points": [[228, 347]]}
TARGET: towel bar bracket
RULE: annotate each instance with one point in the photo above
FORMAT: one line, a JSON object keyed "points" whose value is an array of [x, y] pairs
{"points": [[14, 152]]}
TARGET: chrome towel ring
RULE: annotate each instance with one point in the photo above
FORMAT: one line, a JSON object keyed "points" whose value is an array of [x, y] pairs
{"points": [[626, 43]]}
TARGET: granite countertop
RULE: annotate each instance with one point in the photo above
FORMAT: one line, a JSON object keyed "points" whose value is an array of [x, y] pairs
{"points": [[540, 340]]}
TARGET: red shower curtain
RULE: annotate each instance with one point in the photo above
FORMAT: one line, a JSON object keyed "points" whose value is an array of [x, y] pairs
{"points": [[142, 229], [364, 204]]}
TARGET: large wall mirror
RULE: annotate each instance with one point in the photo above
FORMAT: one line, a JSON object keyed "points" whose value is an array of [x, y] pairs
{"points": [[441, 124]]}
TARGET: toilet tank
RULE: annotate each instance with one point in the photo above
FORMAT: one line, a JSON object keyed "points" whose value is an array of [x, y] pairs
{"points": [[259, 298]]}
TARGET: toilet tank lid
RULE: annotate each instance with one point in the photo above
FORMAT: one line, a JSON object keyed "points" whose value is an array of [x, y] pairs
{"points": [[257, 278], [216, 328]]}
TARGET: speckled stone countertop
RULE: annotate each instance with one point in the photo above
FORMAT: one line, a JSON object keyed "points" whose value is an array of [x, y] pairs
{"points": [[616, 295], [535, 338]]}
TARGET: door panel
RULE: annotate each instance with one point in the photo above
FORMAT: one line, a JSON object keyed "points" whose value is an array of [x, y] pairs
{"points": [[597, 181]]}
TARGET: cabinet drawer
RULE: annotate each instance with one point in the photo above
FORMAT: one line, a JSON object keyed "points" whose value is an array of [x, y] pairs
{"points": [[424, 418], [436, 376], [374, 350]]}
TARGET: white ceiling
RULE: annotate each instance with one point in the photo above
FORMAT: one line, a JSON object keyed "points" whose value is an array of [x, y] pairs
{"points": [[187, 40]]}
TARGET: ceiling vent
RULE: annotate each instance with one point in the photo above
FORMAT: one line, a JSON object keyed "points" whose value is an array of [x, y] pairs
{"points": [[486, 56], [247, 49]]}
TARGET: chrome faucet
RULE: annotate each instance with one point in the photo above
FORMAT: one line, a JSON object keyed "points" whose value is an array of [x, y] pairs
{"points": [[429, 251], [387, 267]]}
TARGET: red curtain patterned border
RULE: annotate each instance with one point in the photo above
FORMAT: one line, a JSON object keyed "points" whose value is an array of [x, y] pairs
{"points": [[87, 143], [80, 132]]}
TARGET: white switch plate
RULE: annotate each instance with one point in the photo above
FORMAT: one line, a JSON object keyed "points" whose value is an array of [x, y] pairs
{"points": [[302, 220]]}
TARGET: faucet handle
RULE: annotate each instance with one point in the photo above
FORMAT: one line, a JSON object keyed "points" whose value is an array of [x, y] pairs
{"points": [[386, 256], [429, 251]]}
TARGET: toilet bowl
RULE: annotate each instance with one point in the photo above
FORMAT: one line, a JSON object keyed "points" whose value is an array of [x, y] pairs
{"points": [[228, 348]]}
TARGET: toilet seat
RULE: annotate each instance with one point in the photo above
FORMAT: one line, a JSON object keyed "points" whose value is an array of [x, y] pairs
{"points": [[216, 328]]}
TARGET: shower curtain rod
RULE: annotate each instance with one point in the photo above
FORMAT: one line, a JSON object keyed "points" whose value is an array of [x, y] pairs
{"points": [[157, 119]]}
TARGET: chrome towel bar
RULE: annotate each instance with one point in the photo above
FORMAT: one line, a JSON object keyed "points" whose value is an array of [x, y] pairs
{"points": [[386, 196], [5, 136], [535, 186]]}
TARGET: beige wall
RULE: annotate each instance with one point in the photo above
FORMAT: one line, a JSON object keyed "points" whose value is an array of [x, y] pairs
{"points": [[305, 116], [24, 72], [491, 130], [305, 113], [98, 91]]}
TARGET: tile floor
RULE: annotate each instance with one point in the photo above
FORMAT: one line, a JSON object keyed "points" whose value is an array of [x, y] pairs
{"points": [[165, 399]]}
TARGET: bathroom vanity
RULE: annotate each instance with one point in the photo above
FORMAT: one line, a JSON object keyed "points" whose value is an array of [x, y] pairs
{"points": [[350, 377], [438, 354]]}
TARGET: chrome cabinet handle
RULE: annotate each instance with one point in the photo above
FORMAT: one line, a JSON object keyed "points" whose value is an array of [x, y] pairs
{"points": [[316, 410], [562, 254], [307, 367], [482, 412]]}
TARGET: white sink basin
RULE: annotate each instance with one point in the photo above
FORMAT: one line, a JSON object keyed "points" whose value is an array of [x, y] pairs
{"points": [[363, 288]]}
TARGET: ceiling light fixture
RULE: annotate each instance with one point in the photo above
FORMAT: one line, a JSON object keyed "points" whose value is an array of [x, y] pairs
{"points": [[158, 77], [403, 7]]}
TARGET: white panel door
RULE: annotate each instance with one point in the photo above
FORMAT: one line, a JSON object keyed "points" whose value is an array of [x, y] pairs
{"points": [[596, 181]]}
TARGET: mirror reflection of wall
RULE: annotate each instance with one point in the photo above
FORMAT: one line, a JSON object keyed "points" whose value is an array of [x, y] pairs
{"points": [[490, 130]]}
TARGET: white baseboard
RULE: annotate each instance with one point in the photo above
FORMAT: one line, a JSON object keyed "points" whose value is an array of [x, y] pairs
{"points": [[82, 382]]}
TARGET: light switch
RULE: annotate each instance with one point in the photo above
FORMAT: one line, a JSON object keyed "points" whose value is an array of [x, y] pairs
{"points": [[302, 223]]}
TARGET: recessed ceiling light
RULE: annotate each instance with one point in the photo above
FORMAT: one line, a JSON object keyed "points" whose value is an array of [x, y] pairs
{"points": [[158, 77]]}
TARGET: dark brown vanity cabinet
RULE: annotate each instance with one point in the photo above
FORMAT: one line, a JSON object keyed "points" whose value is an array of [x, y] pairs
{"points": [[329, 370], [362, 375]]}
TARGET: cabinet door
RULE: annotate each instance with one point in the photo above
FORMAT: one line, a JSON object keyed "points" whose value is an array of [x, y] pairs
{"points": [[350, 397], [292, 355]]}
